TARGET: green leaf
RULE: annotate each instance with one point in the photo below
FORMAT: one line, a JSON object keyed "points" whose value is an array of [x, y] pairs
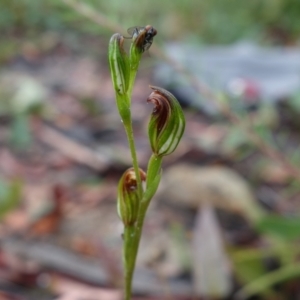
{"points": [[263, 283], [294, 102], [20, 132], [10, 196], [247, 267], [264, 133], [283, 227], [234, 139]]}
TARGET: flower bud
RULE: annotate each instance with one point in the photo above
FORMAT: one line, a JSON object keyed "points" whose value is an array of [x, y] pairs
{"points": [[167, 122], [128, 196], [119, 64]]}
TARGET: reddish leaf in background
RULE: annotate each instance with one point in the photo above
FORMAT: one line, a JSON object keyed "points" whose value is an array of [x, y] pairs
{"points": [[50, 220]]}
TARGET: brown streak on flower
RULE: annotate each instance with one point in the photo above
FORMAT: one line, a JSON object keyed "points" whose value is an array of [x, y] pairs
{"points": [[120, 41], [161, 108]]}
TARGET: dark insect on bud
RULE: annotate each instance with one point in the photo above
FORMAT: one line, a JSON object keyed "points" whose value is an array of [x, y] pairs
{"points": [[142, 36], [142, 39]]}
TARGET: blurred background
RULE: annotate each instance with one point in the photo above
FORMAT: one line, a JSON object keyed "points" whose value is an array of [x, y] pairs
{"points": [[225, 222]]}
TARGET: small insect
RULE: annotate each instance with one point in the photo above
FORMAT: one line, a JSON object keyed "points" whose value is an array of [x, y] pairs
{"points": [[143, 36]]}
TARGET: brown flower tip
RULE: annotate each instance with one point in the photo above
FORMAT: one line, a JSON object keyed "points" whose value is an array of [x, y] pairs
{"points": [[128, 196], [130, 181]]}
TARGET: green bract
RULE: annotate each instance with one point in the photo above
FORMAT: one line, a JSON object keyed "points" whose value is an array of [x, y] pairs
{"points": [[128, 197], [167, 122], [119, 64], [120, 74], [135, 53]]}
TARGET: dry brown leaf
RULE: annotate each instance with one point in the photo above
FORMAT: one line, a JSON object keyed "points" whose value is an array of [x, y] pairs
{"points": [[193, 186], [49, 221]]}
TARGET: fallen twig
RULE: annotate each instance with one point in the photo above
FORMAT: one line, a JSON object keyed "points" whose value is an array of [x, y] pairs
{"points": [[72, 149]]}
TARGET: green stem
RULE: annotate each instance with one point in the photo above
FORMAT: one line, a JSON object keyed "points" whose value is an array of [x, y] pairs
{"points": [[263, 283], [132, 234], [128, 259], [154, 166], [130, 138], [123, 104]]}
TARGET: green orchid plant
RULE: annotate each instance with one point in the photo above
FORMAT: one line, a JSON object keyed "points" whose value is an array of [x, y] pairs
{"points": [[166, 126]]}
